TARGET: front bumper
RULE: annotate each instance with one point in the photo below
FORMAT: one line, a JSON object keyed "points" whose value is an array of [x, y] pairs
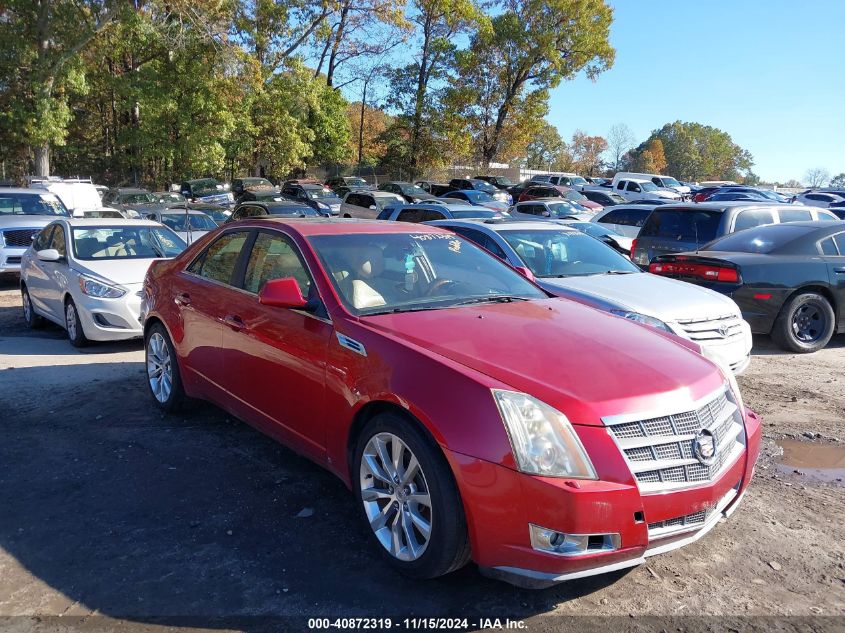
{"points": [[111, 319], [10, 259], [501, 503]]}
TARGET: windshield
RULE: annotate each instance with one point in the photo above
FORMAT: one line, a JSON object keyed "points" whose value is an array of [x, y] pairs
{"points": [[356, 182], [479, 196], [682, 225], [256, 182], [593, 230], [647, 186], [320, 194], [402, 272], [565, 253], [199, 221], [171, 196], [206, 185], [131, 242], [562, 209], [577, 180], [504, 181], [384, 201], [575, 196], [668, 181], [486, 187], [412, 190], [763, 239], [136, 198], [31, 204]]}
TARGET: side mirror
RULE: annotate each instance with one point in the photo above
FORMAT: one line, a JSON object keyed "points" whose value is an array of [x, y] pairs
{"points": [[525, 272], [282, 293], [547, 214], [49, 255], [373, 207]]}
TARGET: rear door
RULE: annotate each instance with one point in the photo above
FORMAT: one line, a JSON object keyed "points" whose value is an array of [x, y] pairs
{"points": [[836, 274], [204, 294], [56, 275], [36, 273]]}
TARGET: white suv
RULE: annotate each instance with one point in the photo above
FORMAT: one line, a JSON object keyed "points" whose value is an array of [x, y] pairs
{"points": [[637, 189]]}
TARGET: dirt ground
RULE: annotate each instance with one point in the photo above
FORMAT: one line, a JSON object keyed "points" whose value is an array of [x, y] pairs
{"points": [[115, 516]]}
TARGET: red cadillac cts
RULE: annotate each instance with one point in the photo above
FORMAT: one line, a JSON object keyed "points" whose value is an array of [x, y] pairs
{"points": [[473, 416]]}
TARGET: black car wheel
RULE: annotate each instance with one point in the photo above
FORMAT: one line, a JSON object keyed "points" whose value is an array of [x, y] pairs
{"points": [[805, 323]]}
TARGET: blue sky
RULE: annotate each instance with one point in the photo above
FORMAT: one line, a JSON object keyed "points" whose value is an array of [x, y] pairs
{"points": [[770, 73]]}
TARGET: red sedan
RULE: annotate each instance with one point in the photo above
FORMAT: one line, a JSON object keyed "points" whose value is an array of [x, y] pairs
{"points": [[473, 416]]}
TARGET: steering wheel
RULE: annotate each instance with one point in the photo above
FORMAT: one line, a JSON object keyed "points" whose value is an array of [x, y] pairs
{"points": [[437, 285]]}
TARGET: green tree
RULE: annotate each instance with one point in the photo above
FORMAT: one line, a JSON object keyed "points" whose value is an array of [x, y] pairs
{"points": [[838, 181], [546, 148], [530, 47], [40, 46], [697, 152]]}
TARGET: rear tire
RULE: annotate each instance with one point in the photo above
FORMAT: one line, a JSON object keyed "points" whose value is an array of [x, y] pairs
{"points": [[73, 325], [33, 320], [163, 378], [805, 324], [413, 514]]}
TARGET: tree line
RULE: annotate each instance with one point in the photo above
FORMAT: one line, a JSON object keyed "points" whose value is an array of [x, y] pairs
{"points": [[153, 91]]}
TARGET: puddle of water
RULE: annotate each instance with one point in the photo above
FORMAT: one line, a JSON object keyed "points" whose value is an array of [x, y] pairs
{"points": [[823, 462]]}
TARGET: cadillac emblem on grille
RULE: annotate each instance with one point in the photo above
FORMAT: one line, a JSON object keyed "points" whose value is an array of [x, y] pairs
{"points": [[704, 447]]}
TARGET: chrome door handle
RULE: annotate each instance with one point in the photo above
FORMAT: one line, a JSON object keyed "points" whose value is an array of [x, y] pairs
{"points": [[183, 299], [233, 322]]}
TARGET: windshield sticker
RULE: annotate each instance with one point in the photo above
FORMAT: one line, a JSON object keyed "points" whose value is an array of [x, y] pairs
{"points": [[455, 246], [423, 237]]}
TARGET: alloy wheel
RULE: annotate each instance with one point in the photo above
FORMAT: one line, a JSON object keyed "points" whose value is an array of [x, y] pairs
{"points": [[808, 323], [396, 497], [27, 306], [159, 367], [71, 320]]}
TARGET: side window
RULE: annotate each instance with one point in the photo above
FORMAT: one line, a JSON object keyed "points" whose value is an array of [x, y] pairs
{"points": [[367, 202], [59, 241], [42, 242], [273, 256], [753, 217], [632, 186], [253, 212], [639, 217], [828, 247], [794, 215], [619, 216], [620, 185], [431, 214], [219, 260], [839, 239]]}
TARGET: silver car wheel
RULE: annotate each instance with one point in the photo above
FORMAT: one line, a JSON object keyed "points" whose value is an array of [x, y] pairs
{"points": [[159, 367], [27, 306], [71, 320], [396, 497]]}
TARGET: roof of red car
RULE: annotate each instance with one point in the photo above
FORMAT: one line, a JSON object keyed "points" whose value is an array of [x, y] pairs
{"points": [[340, 226]]}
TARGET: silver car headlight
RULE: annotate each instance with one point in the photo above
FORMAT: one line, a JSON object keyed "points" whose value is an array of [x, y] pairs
{"points": [[94, 288], [542, 438], [643, 318]]}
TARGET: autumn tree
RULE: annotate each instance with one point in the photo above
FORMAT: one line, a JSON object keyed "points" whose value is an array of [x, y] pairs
{"points": [[528, 49], [587, 151]]}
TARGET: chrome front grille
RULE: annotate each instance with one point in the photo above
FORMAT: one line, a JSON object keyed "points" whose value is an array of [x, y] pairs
{"points": [[722, 328], [659, 450], [18, 238]]}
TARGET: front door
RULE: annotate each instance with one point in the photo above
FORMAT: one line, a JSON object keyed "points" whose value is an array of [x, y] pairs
{"points": [[275, 358]]}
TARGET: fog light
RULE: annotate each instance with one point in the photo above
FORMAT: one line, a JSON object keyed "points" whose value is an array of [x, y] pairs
{"points": [[562, 544]]}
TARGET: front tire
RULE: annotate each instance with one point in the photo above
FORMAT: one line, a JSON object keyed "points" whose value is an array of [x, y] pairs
{"points": [[74, 326], [33, 320], [409, 498], [805, 324], [163, 377]]}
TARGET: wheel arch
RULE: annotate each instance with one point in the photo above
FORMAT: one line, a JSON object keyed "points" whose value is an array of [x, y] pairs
{"points": [[819, 289]]}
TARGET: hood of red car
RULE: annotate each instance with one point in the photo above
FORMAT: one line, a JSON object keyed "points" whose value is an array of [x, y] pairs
{"points": [[585, 362]]}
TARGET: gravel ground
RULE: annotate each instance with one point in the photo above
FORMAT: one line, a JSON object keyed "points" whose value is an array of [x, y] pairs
{"points": [[110, 509]]}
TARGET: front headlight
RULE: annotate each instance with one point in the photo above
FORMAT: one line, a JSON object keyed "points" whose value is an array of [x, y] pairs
{"points": [[643, 318], [94, 288], [542, 439]]}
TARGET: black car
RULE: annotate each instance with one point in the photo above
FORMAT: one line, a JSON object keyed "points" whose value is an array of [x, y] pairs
{"points": [[788, 279], [604, 198], [435, 188], [261, 208], [322, 199], [517, 190], [500, 182], [411, 192], [240, 186]]}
